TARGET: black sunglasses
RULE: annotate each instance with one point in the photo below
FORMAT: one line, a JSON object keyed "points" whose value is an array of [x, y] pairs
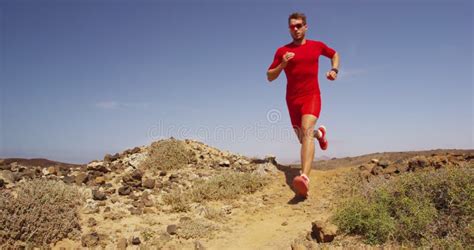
{"points": [[297, 26]]}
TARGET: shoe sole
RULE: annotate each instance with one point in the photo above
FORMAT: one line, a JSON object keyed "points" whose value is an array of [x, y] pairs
{"points": [[300, 187], [324, 127], [324, 136]]}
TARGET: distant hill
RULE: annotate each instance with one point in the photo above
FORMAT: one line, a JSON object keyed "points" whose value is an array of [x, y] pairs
{"points": [[39, 162], [325, 163]]}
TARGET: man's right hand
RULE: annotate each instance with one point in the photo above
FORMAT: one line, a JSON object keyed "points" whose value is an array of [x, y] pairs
{"points": [[287, 57]]}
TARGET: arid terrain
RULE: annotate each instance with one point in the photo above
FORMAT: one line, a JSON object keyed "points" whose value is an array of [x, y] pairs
{"points": [[177, 194]]}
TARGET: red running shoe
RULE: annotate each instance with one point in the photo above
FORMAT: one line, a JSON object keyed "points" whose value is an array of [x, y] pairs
{"points": [[323, 142], [301, 185]]}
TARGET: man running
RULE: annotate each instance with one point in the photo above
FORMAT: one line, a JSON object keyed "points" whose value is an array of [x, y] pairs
{"points": [[299, 59]]}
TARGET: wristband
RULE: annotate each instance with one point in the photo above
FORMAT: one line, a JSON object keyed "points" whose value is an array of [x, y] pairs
{"points": [[335, 70]]}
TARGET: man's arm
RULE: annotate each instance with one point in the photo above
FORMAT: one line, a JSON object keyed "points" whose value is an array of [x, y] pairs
{"points": [[335, 61], [332, 74], [273, 73]]}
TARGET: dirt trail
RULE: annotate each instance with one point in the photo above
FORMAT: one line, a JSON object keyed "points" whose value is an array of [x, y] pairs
{"points": [[282, 218]]}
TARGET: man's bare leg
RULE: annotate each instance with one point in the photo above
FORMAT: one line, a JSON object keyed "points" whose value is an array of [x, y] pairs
{"points": [[307, 142], [317, 134], [298, 134]]}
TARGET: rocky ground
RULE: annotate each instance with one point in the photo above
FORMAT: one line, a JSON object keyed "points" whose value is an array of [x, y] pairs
{"points": [[125, 204]]}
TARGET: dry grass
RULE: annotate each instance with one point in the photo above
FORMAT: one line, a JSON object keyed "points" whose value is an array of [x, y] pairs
{"points": [[178, 200], [214, 214], [228, 186], [167, 155], [431, 208], [196, 229], [43, 212]]}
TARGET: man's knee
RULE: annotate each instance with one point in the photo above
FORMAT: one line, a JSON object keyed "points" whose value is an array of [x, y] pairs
{"points": [[307, 131]]}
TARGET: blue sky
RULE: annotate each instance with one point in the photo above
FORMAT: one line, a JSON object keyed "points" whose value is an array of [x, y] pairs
{"points": [[80, 79]]}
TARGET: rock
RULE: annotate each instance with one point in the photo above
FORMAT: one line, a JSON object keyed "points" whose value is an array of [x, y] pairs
{"points": [[69, 179], [44, 171], [271, 159], [383, 164], [171, 229], [2, 183], [377, 170], [164, 237], [97, 166], [30, 173], [91, 222], [148, 183], [17, 176], [174, 177], [91, 208], [100, 180], [124, 190], [298, 246], [90, 240], [114, 199], [122, 243], [365, 175], [402, 168], [52, 170], [163, 173], [391, 170], [5, 167], [136, 241], [198, 246], [323, 232], [134, 197], [242, 162], [137, 174], [111, 158], [129, 180], [98, 195], [135, 150], [81, 178], [63, 170], [265, 169], [417, 163], [147, 202], [8, 176], [136, 159], [224, 163], [135, 211], [285, 223], [374, 161]]}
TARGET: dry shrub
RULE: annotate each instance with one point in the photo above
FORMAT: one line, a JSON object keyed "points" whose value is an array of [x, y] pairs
{"points": [[178, 200], [433, 208], [227, 186], [214, 214], [168, 154], [43, 212], [196, 229]]}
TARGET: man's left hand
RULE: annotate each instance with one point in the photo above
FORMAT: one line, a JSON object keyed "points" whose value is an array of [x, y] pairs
{"points": [[331, 75]]}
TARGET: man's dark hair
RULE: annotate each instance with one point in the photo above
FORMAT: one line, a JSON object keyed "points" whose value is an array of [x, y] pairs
{"points": [[297, 15]]}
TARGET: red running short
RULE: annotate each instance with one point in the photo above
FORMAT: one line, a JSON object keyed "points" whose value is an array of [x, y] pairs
{"points": [[301, 105]]}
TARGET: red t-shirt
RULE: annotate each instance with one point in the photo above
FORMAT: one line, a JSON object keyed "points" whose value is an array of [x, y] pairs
{"points": [[302, 70]]}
